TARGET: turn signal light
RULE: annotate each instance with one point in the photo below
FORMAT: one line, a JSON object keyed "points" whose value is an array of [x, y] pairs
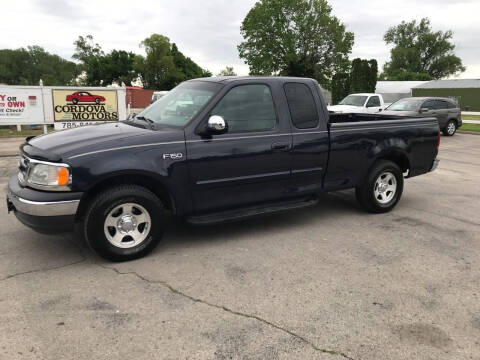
{"points": [[62, 177]]}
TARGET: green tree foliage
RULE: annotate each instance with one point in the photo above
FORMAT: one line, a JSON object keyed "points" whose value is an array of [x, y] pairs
{"points": [[165, 66], [27, 66], [118, 67], [340, 87], [228, 71], [157, 69], [295, 38], [102, 69], [363, 76], [420, 53]]}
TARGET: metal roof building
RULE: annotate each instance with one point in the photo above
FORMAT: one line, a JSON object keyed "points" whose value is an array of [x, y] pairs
{"points": [[396, 90], [466, 91]]}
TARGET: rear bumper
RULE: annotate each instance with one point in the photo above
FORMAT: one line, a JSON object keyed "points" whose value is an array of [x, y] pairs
{"points": [[434, 164], [40, 210]]}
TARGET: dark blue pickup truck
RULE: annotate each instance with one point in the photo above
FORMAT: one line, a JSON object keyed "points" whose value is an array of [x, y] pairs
{"points": [[212, 150]]}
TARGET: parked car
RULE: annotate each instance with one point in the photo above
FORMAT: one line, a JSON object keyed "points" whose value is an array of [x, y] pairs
{"points": [[84, 97], [243, 147], [445, 110], [359, 103]]}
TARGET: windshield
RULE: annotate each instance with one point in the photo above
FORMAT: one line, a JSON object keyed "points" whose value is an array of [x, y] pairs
{"points": [[353, 100], [179, 106], [405, 105]]}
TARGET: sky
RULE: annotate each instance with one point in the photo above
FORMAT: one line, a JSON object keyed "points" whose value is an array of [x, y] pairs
{"points": [[208, 31]]}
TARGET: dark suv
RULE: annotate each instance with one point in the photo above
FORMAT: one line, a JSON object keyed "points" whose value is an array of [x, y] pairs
{"points": [[446, 111]]}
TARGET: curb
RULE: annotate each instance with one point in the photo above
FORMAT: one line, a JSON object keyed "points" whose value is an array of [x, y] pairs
{"points": [[468, 132]]}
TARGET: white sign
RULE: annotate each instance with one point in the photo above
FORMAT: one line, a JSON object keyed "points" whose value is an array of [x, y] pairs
{"points": [[64, 125], [20, 106]]}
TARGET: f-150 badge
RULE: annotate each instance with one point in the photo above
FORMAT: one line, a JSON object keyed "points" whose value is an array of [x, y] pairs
{"points": [[174, 156]]}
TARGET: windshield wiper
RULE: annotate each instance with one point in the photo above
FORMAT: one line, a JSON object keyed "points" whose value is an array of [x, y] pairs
{"points": [[145, 119]]}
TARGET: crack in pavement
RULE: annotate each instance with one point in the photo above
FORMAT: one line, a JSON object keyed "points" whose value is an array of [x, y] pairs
{"points": [[43, 269], [224, 308]]}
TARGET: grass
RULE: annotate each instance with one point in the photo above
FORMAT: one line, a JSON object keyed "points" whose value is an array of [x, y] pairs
{"points": [[470, 117], [11, 131], [470, 127]]}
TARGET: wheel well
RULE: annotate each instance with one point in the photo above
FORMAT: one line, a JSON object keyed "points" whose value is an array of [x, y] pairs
{"points": [[398, 158], [148, 182]]}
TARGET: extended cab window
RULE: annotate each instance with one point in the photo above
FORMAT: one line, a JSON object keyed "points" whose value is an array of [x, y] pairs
{"points": [[374, 101], [247, 108], [302, 106]]}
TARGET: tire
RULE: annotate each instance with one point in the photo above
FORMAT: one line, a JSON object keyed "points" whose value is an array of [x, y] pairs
{"points": [[450, 128], [124, 223], [382, 188], [75, 101], [97, 101]]}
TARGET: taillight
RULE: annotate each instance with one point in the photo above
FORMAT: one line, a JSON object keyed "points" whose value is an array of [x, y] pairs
{"points": [[438, 140]]}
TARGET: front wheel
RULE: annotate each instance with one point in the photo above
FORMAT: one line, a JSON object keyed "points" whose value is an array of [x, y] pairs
{"points": [[124, 223], [450, 128], [382, 188]]}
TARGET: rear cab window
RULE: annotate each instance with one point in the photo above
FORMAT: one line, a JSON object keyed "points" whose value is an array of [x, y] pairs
{"points": [[303, 110]]}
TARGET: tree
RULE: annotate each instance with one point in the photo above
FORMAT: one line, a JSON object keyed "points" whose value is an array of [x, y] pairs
{"points": [[118, 67], [165, 66], [296, 38], [89, 54], [27, 66], [158, 68], [363, 76], [340, 87], [228, 71], [420, 53]]}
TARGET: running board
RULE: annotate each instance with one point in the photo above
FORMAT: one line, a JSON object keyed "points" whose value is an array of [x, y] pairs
{"points": [[246, 212]]}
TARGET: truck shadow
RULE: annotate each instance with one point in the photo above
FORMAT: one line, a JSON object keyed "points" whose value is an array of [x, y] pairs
{"points": [[332, 205], [180, 234]]}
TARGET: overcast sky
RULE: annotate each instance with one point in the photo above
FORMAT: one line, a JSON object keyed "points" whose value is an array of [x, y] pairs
{"points": [[208, 30]]}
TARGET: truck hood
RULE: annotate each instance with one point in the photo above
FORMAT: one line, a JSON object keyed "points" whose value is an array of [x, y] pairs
{"points": [[346, 108], [63, 144]]}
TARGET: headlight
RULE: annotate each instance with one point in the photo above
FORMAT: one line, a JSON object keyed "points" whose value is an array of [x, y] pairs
{"points": [[48, 176]]}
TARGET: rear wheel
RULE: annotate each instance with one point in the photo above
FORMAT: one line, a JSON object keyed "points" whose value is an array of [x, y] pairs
{"points": [[124, 223], [450, 128], [382, 188], [97, 101]]}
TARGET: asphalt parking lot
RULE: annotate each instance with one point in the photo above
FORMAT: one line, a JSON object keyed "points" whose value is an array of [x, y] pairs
{"points": [[328, 282]]}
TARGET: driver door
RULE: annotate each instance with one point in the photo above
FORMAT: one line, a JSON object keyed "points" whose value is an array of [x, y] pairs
{"points": [[248, 164]]}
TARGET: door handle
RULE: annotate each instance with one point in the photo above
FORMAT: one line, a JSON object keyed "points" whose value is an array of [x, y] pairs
{"points": [[282, 146]]}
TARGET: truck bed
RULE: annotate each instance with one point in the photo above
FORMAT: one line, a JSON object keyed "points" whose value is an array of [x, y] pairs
{"points": [[336, 118], [356, 140]]}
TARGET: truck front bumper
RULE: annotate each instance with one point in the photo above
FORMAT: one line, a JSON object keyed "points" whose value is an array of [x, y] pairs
{"points": [[45, 212]]}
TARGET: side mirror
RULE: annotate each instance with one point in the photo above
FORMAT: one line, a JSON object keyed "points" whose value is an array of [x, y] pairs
{"points": [[423, 110], [217, 125]]}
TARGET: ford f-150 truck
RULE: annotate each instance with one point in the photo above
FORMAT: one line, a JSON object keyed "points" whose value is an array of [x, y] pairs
{"points": [[212, 150]]}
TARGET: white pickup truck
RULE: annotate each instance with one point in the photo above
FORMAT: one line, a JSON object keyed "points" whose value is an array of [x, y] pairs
{"points": [[359, 103]]}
